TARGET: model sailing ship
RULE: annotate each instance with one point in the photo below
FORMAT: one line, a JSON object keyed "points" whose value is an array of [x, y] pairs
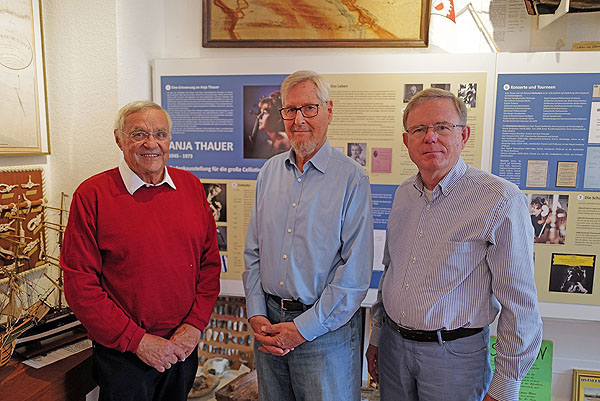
{"points": [[31, 299]]}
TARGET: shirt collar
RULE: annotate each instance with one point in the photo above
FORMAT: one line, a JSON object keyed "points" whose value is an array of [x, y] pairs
{"points": [[319, 159], [133, 182], [449, 180]]}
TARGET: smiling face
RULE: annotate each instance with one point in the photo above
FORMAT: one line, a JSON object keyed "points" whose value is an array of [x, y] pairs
{"points": [[307, 135], [148, 158], [433, 154]]}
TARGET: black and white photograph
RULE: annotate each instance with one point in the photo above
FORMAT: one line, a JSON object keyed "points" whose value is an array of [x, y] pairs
{"points": [[222, 238], [468, 93], [217, 200], [410, 90], [358, 152]]}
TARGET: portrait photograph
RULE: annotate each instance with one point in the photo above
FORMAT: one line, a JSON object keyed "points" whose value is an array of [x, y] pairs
{"points": [[217, 200], [264, 132], [358, 152], [572, 273], [410, 90]]}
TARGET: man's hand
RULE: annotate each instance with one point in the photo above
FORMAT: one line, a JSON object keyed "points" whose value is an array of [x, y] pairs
{"points": [[259, 324], [489, 398], [371, 355], [158, 352], [279, 339], [186, 337]]}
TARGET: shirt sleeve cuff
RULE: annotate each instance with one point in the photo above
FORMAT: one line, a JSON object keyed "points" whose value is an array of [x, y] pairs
{"points": [[504, 389], [309, 326], [256, 306]]}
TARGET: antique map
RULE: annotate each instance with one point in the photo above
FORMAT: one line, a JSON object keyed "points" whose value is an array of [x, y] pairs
{"points": [[18, 105], [314, 19]]}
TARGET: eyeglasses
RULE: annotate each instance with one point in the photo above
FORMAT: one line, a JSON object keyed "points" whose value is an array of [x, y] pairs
{"points": [[141, 135], [442, 129], [307, 111]]}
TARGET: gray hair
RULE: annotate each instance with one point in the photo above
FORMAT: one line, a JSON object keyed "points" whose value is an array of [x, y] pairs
{"points": [[431, 94], [306, 75], [135, 106]]}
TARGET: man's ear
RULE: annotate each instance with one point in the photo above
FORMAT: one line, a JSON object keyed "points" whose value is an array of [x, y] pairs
{"points": [[118, 139]]}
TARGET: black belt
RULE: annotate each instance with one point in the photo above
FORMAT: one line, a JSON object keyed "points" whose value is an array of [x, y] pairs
{"points": [[432, 336], [291, 305]]}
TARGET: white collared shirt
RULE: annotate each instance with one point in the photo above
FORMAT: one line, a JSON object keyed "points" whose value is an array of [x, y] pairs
{"points": [[133, 182]]}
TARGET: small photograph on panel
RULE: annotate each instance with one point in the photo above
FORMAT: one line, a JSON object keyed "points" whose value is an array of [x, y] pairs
{"points": [[572, 273], [468, 93], [445, 87], [358, 152], [264, 132], [217, 200], [548, 214], [222, 238], [410, 90], [596, 90]]}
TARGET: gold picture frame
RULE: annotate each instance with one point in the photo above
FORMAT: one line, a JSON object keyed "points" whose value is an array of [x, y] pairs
{"points": [[315, 23], [23, 106], [586, 385]]}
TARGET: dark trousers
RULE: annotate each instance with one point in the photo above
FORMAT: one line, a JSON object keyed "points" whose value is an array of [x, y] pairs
{"points": [[122, 376]]}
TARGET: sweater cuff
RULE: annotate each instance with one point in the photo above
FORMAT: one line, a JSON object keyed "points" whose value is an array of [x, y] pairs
{"points": [[136, 338], [504, 389]]}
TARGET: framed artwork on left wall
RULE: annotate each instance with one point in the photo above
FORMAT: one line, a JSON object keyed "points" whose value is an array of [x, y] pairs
{"points": [[23, 107]]}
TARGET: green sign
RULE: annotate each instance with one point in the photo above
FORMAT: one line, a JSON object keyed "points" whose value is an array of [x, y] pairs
{"points": [[537, 384]]}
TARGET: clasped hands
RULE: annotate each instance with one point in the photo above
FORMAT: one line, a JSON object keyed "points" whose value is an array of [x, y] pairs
{"points": [[276, 339], [162, 353]]}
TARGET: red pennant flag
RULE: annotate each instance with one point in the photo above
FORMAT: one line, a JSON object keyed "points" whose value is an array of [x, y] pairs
{"points": [[444, 8]]}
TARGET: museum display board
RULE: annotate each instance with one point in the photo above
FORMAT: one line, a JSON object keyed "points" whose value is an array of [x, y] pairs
{"points": [[535, 121]]}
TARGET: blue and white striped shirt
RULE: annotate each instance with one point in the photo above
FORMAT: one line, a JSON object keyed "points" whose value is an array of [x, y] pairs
{"points": [[457, 260], [310, 238]]}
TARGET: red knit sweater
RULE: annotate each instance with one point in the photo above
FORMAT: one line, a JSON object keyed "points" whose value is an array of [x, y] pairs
{"points": [[139, 263]]}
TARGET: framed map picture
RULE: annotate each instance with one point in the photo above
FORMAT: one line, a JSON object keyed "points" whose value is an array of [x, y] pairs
{"points": [[315, 23], [24, 128]]}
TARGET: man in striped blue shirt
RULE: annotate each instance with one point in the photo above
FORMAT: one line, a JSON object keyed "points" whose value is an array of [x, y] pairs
{"points": [[459, 249]]}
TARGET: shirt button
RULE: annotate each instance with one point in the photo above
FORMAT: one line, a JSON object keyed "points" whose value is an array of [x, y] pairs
{"points": [[285, 256], [407, 286], [289, 230], [428, 207], [420, 233], [403, 314], [299, 179], [294, 204], [281, 283], [414, 259]]}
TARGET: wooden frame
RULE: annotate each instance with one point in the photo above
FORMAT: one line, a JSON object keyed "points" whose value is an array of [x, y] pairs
{"points": [[23, 106], [586, 383], [314, 23]]}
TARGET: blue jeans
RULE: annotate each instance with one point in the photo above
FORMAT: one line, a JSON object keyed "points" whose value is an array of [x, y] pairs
{"points": [[456, 370], [327, 368]]}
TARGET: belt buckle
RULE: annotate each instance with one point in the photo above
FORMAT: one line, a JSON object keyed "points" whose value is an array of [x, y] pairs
{"points": [[281, 302]]}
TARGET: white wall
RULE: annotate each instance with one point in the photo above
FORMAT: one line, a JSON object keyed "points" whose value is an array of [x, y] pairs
{"points": [[98, 56]]}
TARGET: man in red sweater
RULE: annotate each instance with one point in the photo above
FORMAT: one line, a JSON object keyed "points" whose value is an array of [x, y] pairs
{"points": [[141, 264]]}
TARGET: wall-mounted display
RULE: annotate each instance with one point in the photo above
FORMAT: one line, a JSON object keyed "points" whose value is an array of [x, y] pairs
{"points": [[586, 385], [315, 23], [24, 128]]}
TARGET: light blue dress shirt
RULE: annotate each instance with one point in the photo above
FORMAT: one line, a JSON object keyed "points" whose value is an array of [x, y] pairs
{"points": [[310, 238], [458, 259]]}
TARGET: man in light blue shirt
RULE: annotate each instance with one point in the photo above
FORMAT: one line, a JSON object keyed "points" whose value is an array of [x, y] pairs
{"points": [[308, 256], [459, 249]]}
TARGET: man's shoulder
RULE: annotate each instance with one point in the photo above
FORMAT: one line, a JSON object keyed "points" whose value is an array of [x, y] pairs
{"points": [[99, 180], [346, 165], [490, 182]]}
